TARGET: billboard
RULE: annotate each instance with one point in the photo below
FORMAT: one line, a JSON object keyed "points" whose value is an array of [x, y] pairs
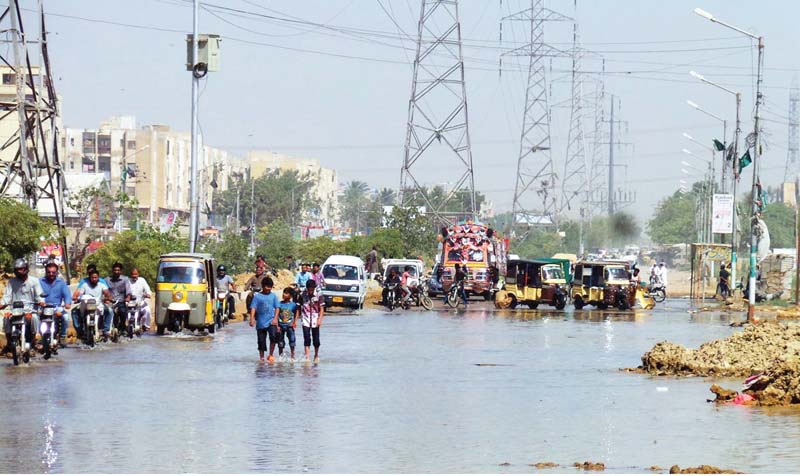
{"points": [[722, 213]]}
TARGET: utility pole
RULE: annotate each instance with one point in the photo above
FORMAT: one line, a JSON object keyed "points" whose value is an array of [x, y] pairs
{"points": [[438, 91], [611, 160], [193, 199], [756, 199], [252, 216], [793, 154], [535, 188]]}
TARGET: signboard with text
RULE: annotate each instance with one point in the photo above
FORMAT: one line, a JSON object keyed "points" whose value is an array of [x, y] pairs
{"points": [[722, 213]]}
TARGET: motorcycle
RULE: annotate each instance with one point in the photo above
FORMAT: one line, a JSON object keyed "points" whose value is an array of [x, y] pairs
{"points": [[21, 316], [419, 295], [134, 319], [657, 291], [92, 319], [392, 296], [49, 330], [453, 296], [222, 312]]}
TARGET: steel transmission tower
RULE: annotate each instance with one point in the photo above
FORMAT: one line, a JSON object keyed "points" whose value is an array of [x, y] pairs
{"points": [[793, 154], [30, 168], [575, 189], [535, 188], [438, 126]]}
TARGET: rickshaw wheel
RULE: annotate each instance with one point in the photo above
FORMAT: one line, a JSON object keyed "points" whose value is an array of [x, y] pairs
{"points": [[578, 303], [533, 304], [602, 305], [160, 330]]}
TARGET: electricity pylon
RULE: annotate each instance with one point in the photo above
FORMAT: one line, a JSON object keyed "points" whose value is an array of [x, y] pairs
{"points": [[30, 168], [438, 125], [535, 188], [793, 153]]}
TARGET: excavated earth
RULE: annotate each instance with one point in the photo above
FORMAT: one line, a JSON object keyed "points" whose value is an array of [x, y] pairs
{"points": [[771, 350]]}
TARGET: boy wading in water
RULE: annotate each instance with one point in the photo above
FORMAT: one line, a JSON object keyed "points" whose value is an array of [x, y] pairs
{"points": [[312, 310], [287, 314], [264, 316]]}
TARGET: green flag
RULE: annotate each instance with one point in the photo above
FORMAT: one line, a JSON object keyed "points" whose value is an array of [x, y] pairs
{"points": [[719, 145], [744, 161]]}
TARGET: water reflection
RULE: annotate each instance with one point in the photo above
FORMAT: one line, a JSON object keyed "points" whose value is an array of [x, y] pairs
{"points": [[394, 392]]}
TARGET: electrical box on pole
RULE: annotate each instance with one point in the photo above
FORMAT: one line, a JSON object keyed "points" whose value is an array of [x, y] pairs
{"points": [[208, 52]]}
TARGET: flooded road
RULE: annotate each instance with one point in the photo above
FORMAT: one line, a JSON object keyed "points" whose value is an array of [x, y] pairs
{"points": [[393, 393]]}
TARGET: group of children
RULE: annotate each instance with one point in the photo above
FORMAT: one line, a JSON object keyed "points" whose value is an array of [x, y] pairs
{"points": [[277, 319]]}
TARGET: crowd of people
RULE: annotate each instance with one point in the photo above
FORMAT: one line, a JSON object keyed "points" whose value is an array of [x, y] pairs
{"points": [[111, 294]]}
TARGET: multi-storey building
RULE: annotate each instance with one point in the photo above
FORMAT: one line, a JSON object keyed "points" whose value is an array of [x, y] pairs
{"points": [[325, 191], [152, 163]]}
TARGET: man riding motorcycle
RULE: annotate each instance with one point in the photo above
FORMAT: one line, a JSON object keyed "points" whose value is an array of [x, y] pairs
{"points": [[393, 278], [57, 295], [25, 289], [253, 285], [120, 288], [93, 287], [225, 284], [140, 291]]}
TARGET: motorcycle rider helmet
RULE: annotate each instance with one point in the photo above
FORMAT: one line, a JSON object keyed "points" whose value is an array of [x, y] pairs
{"points": [[220, 269], [20, 268]]}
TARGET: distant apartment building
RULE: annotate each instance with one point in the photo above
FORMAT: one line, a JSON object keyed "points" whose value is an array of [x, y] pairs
{"points": [[10, 120], [325, 191], [153, 163]]}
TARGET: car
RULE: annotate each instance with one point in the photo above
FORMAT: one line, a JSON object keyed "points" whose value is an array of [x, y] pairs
{"points": [[434, 282], [345, 281]]}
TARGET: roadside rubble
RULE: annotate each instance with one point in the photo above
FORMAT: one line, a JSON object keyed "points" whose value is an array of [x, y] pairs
{"points": [[704, 469], [768, 355]]}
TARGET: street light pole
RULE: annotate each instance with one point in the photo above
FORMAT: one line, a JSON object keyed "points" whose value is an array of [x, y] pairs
{"points": [[757, 152], [723, 170], [193, 167]]}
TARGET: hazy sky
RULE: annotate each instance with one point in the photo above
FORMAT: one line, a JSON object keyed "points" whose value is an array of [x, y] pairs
{"points": [[342, 98]]}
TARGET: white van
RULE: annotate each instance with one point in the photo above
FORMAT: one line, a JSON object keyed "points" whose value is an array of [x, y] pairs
{"points": [[345, 282], [399, 265]]}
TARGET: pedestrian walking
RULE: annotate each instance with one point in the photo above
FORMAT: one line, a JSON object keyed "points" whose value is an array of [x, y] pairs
{"points": [[264, 317], [312, 312], [287, 321]]}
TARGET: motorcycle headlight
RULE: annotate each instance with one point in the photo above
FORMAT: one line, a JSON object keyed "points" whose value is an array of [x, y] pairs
{"points": [[43, 328], [353, 289], [178, 296]]}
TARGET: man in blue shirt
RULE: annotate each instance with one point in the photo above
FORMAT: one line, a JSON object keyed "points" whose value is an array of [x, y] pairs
{"points": [[58, 295], [264, 316], [303, 276]]}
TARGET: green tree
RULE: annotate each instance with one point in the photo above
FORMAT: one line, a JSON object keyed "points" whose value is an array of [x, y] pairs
{"points": [[779, 218], [139, 249], [538, 243], [277, 243], [354, 203], [230, 251], [386, 197], [674, 219], [21, 230], [418, 237], [278, 195], [319, 249]]}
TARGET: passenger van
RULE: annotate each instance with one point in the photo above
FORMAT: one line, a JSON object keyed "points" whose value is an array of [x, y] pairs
{"points": [[399, 265], [345, 283]]}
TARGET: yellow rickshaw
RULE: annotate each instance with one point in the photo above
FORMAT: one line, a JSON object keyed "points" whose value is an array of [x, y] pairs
{"points": [[534, 282], [603, 284], [185, 292]]}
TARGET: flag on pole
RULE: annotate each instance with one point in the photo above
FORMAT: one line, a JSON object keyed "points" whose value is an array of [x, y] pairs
{"points": [[719, 145], [744, 161]]}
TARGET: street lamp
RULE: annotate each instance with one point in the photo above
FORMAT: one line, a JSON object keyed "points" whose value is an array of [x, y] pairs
{"points": [[734, 168], [751, 308], [706, 212], [723, 181]]}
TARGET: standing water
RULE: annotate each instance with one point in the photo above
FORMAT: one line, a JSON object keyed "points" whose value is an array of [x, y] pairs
{"points": [[442, 391]]}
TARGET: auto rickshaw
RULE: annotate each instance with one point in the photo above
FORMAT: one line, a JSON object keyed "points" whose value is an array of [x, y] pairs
{"points": [[185, 292], [534, 282], [603, 284]]}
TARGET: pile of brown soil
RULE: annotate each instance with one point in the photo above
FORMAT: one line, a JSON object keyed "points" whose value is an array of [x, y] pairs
{"points": [[704, 469], [751, 351], [589, 466], [779, 385]]}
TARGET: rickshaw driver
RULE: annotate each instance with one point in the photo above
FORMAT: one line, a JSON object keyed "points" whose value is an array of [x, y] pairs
{"points": [[225, 284]]}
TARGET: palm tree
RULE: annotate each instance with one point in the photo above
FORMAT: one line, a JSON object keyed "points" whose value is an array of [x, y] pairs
{"points": [[353, 199], [386, 197]]}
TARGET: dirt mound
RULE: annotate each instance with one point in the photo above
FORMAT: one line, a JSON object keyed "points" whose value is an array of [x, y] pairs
{"points": [[589, 466], [704, 469], [544, 465], [751, 351], [779, 385]]}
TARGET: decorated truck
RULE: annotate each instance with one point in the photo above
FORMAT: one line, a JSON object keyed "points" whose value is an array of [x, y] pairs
{"points": [[477, 247]]}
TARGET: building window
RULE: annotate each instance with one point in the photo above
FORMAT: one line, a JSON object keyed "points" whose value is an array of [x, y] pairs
{"points": [[87, 168], [71, 141], [9, 78], [131, 144], [103, 144], [169, 147], [89, 140], [104, 164]]}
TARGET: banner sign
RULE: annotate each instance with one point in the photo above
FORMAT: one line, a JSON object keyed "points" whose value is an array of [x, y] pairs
{"points": [[722, 213]]}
